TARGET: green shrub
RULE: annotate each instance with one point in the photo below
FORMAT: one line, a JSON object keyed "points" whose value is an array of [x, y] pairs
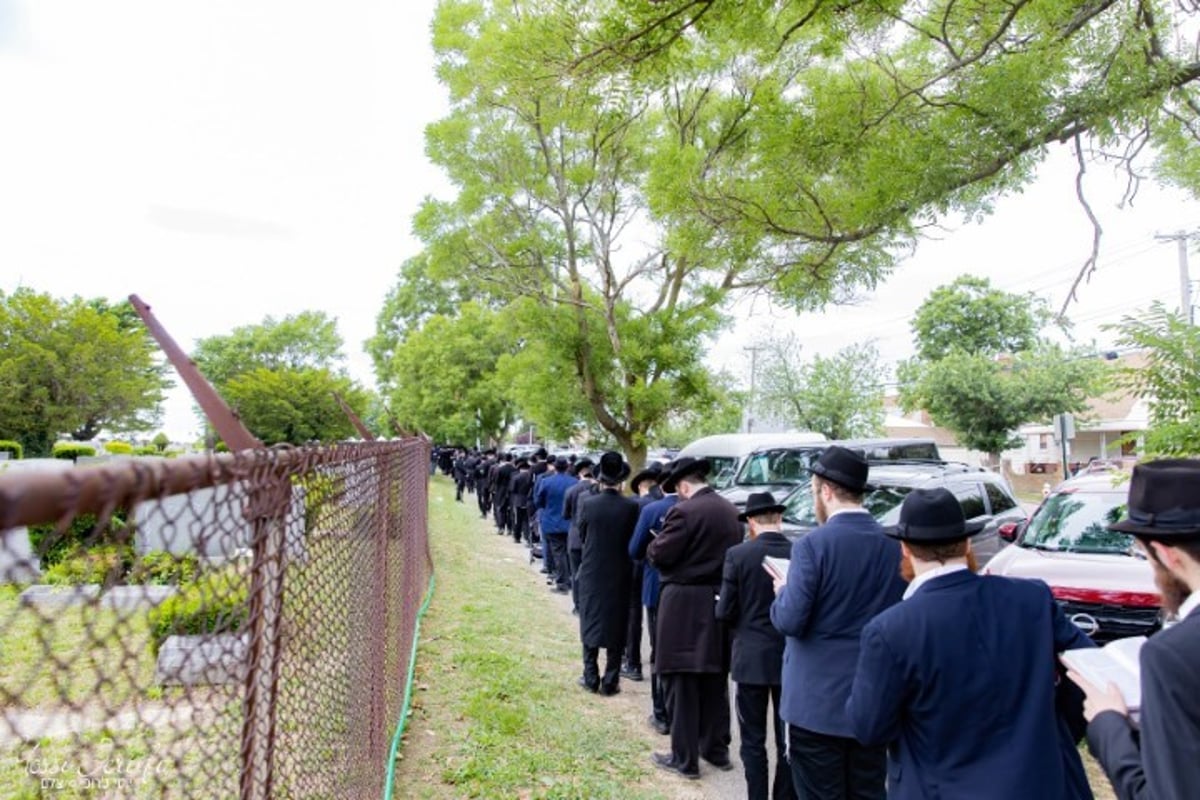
{"points": [[216, 602], [14, 449], [107, 564], [117, 448], [162, 569], [319, 490], [72, 450], [83, 534], [146, 450]]}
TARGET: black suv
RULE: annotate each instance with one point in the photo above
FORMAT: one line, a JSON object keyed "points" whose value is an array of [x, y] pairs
{"points": [[985, 497]]}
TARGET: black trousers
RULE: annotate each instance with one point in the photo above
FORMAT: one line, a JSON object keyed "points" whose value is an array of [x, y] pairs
{"points": [[699, 703], [658, 698], [633, 636], [611, 679], [574, 559], [753, 701], [835, 767], [561, 568], [502, 510], [485, 500], [520, 529]]}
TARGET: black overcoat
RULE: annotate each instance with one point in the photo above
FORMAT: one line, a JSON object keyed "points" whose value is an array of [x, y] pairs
{"points": [[606, 523], [690, 555]]}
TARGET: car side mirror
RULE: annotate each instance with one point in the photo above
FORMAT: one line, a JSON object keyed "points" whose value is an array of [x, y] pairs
{"points": [[1008, 531]]}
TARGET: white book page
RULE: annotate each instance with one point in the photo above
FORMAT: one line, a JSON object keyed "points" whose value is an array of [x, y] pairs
{"points": [[778, 567], [1116, 663]]}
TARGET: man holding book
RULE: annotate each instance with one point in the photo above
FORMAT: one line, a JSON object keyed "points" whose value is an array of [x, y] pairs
{"points": [[747, 591], [959, 677], [1163, 761]]}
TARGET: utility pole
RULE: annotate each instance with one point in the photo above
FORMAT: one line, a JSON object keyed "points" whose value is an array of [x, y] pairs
{"points": [[753, 351], [1185, 282]]}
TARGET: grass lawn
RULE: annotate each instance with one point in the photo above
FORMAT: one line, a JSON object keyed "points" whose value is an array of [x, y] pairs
{"points": [[496, 710]]}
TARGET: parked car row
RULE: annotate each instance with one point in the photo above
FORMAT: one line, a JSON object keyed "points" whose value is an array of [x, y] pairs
{"points": [[1102, 582]]}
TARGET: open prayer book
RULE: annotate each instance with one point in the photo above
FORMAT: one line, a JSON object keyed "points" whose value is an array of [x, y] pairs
{"points": [[776, 567], [1116, 663]]}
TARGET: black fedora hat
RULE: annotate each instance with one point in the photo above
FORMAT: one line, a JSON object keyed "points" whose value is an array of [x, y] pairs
{"points": [[522, 463], [652, 472], [682, 468], [844, 467], [1164, 500], [761, 503], [612, 468], [932, 516]]}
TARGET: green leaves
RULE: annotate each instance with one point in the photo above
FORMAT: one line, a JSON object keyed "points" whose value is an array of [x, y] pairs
{"points": [[840, 396], [1169, 380], [74, 367], [982, 370], [280, 375]]}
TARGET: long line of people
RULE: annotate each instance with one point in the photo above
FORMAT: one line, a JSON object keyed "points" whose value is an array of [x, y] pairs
{"points": [[890, 668]]}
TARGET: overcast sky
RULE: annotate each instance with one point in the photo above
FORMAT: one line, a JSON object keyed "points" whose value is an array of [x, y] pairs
{"points": [[227, 160]]}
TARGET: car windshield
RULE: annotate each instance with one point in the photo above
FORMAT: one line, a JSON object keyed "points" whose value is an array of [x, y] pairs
{"points": [[782, 466], [1077, 522], [721, 471], [883, 502]]}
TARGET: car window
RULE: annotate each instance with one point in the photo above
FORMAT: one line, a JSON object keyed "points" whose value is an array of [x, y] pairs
{"points": [[1078, 522], [883, 503], [998, 498], [777, 466], [721, 471], [970, 497]]}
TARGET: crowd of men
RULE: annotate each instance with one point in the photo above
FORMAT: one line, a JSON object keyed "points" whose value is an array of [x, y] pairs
{"points": [[889, 666]]}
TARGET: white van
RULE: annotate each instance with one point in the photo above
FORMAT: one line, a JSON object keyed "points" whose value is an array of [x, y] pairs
{"points": [[727, 451]]}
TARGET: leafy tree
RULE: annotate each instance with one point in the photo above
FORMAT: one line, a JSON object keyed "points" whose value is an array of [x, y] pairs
{"points": [[970, 382], [295, 405], [441, 378], [1170, 380], [298, 341], [863, 121], [74, 367], [280, 376], [161, 441], [840, 396], [574, 193], [723, 416]]}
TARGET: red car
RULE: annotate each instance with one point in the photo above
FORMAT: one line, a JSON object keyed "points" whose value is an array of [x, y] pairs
{"points": [[1104, 585]]}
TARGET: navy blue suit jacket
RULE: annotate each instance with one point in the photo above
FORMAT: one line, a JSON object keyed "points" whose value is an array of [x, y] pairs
{"points": [[842, 574], [961, 679]]}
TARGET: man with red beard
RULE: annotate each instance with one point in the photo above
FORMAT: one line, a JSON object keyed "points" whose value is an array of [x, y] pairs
{"points": [[1164, 763], [841, 575]]}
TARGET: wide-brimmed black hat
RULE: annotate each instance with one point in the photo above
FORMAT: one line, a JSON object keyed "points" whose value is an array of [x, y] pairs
{"points": [[522, 463], [844, 467], [932, 516], [1164, 500], [652, 472], [612, 468], [682, 468], [761, 503], [561, 464], [540, 453]]}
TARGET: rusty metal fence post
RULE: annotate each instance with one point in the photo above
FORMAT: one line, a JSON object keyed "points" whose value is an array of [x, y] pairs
{"points": [[267, 511]]}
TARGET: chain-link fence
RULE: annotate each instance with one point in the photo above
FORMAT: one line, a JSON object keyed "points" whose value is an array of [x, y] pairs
{"points": [[210, 627]]}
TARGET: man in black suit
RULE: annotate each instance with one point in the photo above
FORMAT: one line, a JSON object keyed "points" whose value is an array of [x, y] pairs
{"points": [[572, 500], [644, 486], [692, 646], [606, 523], [500, 500], [1164, 764], [747, 592], [520, 491]]}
